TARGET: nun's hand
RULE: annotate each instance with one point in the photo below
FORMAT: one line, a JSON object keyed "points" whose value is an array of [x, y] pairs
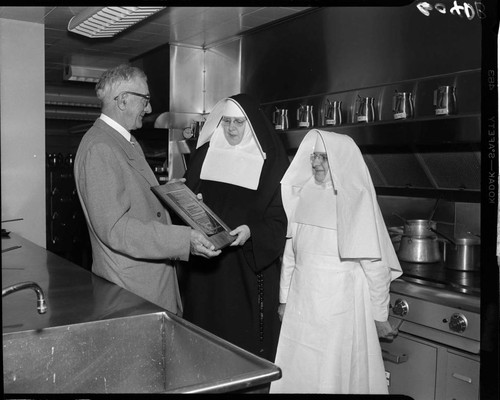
{"points": [[243, 232], [386, 331]]}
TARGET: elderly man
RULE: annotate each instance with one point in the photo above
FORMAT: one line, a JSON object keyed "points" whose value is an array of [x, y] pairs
{"points": [[133, 241]]}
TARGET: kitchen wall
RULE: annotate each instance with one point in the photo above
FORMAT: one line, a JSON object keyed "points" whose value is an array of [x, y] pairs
{"points": [[343, 48], [336, 49], [199, 78], [22, 116], [156, 65]]}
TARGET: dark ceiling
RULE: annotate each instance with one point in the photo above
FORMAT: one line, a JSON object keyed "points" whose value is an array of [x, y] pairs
{"points": [[202, 27]]}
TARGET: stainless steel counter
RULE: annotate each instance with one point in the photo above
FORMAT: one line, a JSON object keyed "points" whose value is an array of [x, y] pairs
{"points": [[73, 294], [104, 339]]}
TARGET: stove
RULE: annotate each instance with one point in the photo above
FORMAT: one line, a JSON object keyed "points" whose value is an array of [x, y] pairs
{"points": [[436, 275], [436, 353]]}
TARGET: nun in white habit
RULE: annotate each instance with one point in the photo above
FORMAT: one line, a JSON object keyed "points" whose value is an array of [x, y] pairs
{"points": [[337, 268]]}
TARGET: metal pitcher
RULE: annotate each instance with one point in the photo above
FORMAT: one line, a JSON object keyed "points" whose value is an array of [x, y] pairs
{"points": [[402, 105], [305, 118], [365, 109], [280, 119], [445, 100], [333, 113]]}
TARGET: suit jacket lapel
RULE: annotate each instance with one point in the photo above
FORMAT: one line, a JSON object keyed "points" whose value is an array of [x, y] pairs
{"points": [[135, 155]]}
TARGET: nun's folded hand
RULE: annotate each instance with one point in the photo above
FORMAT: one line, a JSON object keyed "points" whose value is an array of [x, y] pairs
{"points": [[243, 232]]}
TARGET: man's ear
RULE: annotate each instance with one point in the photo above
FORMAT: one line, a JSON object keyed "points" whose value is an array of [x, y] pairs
{"points": [[122, 101]]}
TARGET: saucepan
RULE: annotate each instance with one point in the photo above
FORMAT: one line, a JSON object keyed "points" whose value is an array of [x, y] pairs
{"points": [[462, 253]]}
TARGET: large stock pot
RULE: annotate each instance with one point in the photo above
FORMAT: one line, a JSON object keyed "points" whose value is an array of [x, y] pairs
{"points": [[463, 254], [419, 249], [419, 243]]}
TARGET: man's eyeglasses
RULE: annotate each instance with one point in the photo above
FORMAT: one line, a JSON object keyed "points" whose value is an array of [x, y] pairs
{"points": [[238, 122], [146, 97], [322, 157]]}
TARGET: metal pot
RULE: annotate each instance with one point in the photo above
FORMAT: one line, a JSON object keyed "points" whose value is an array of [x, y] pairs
{"points": [[419, 227], [464, 254], [419, 249]]}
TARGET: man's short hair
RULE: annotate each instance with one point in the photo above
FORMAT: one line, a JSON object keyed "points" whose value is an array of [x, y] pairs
{"points": [[113, 77]]}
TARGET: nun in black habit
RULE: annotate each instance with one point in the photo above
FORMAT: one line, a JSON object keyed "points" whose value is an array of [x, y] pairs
{"points": [[237, 167]]}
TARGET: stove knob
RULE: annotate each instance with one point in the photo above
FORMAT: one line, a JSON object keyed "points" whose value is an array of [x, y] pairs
{"points": [[458, 323], [400, 307]]}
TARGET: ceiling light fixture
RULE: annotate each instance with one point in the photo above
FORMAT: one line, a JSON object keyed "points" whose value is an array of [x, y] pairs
{"points": [[102, 22]]}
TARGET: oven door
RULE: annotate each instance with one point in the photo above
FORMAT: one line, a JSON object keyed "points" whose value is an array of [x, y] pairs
{"points": [[410, 366]]}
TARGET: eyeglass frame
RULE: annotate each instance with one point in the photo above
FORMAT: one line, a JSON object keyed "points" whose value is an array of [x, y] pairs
{"points": [[237, 122], [146, 97], [322, 157]]}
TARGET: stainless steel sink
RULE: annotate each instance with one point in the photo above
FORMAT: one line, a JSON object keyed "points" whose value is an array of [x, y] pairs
{"points": [[151, 353]]}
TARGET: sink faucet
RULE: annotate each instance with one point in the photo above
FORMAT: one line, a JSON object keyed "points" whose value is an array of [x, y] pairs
{"points": [[41, 304]]}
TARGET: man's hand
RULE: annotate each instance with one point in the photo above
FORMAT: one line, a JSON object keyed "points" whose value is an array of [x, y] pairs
{"points": [[200, 246], [243, 232]]}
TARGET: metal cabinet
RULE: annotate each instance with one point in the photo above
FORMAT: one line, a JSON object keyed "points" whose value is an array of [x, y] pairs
{"points": [[462, 377], [426, 370], [410, 367], [67, 233]]}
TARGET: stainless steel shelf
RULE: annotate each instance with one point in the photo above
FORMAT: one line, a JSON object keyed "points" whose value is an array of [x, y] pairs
{"points": [[443, 130]]}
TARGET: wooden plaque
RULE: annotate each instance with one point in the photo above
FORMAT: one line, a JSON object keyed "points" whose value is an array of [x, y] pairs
{"points": [[178, 197]]}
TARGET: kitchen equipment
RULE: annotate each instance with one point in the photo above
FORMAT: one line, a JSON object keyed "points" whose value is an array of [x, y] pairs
{"points": [[305, 118], [445, 100], [419, 243], [52, 160], [365, 109], [69, 159], [402, 105], [333, 112], [419, 249], [418, 227], [149, 353], [433, 210], [463, 254], [439, 335], [280, 119]]}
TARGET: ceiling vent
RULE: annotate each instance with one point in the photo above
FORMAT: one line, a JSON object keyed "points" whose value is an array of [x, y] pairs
{"points": [[103, 22], [82, 74]]}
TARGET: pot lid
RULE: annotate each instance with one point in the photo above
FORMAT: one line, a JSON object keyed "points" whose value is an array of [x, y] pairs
{"points": [[468, 240]]}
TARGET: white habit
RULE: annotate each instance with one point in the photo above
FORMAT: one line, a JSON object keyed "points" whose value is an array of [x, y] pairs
{"points": [[335, 277]]}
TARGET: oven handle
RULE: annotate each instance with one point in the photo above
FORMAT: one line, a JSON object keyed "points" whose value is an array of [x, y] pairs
{"points": [[394, 358]]}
